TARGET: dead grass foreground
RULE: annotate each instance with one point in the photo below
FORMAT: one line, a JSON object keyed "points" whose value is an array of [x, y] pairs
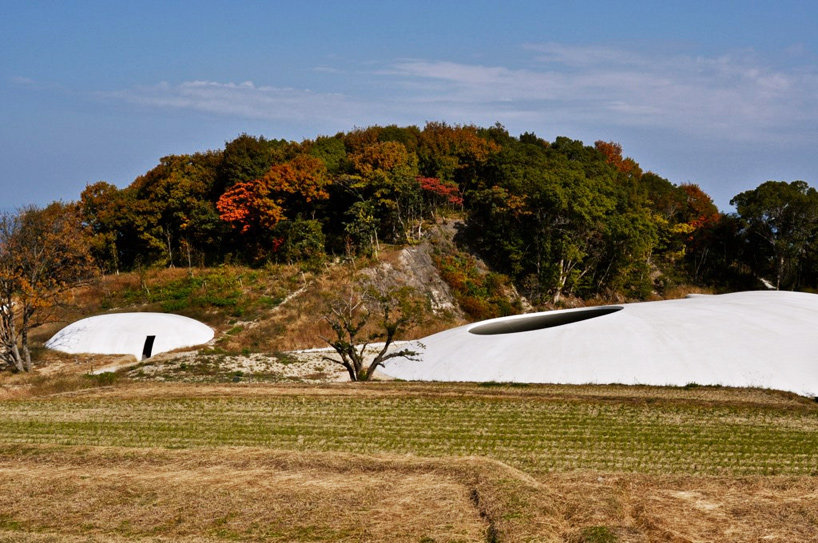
{"points": [[95, 494], [704, 396]]}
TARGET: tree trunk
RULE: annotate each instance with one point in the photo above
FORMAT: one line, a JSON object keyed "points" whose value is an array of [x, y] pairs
{"points": [[169, 244], [561, 281], [18, 360], [26, 359], [12, 347]]}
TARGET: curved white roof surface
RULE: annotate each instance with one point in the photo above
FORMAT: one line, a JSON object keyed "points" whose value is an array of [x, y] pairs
{"points": [[746, 339], [125, 333]]}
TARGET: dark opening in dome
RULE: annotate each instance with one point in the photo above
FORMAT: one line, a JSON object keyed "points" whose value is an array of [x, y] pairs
{"points": [[543, 320]]}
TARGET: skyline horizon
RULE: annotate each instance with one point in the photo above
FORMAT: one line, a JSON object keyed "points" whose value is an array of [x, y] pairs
{"points": [[716, 94]]}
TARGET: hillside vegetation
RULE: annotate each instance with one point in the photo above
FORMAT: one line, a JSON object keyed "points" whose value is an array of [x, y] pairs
{"points": [[253, 235], [556, 218], [249, 438]]}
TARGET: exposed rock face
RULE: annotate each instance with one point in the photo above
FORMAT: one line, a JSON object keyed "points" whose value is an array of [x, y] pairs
{"points": [[418, 270], [415, 268]]}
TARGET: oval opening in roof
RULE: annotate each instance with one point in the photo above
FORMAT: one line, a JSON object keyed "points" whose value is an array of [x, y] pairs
{"points": [[541, 321]]}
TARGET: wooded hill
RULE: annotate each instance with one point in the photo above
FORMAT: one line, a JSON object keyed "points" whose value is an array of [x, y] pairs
{"points": [[557, 218]]}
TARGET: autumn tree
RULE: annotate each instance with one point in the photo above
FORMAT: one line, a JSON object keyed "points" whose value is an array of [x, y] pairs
{"points": [[697, 222], [43, 252], [440, 194], [454, 153], [285, 192], [613, 156], [371, 313]]}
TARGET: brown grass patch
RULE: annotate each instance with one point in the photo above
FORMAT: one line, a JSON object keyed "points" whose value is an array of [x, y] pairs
{"points": [[225, 494], [209, 493], [236, 494], [628, 394], [639, 508]]}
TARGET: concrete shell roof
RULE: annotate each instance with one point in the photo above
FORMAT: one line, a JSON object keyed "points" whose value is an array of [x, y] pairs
{"points": [[746, 339], [125, 333]]}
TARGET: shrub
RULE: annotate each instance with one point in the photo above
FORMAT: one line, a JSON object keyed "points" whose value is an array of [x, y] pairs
{"points": [[480, 295]]}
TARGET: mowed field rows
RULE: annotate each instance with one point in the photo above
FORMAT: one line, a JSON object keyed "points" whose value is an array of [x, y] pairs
{"points": [[536, 433], [409, 462]]}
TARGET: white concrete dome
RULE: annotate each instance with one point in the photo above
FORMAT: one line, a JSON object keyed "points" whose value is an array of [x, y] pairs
{"points": [[130, 333], [746, 339]]}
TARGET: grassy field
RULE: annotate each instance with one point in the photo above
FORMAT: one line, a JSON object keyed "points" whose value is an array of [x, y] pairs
{"points": [[408, 462], [528, 429]]}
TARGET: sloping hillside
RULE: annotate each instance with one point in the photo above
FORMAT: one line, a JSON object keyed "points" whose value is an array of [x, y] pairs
{"points": [[259, 314]]}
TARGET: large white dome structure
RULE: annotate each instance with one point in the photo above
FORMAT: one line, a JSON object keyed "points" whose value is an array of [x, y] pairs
{"points": [[746, 339], [140, 334]]}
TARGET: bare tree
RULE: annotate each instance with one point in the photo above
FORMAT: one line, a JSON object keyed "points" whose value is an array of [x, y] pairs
{"points": [[367, 314], [43, 252]]}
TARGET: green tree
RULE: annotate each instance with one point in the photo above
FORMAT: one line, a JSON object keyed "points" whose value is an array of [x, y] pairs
{"points": [[780, 224], [386, 176], [301, 240], [561, 220], [331, 151], [172, 209], [247, 158], [104, 212]]}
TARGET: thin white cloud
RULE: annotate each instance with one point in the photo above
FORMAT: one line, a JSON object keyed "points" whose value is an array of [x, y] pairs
{"points": [[242, 99], [584, 55], [22, 81], [735, 96]]}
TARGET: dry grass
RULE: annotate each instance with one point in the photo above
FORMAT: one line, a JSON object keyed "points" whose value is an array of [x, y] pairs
{"points": [[228, 494], [645, 396], [643, 508], [259, 310], [111, 460], [234, 494], [69, 375]]}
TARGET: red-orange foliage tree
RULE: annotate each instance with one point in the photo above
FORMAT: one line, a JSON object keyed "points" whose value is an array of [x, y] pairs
{"points": [[613, 156], [445, 191], [701, 218], [286, 189], [701, 211]]}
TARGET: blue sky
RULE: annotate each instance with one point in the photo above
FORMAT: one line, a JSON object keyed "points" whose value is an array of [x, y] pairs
{"points": [[724, 94]]}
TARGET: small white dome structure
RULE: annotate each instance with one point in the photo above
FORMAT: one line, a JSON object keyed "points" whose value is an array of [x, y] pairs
{"points": [[746, 339], [140, 334]]}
